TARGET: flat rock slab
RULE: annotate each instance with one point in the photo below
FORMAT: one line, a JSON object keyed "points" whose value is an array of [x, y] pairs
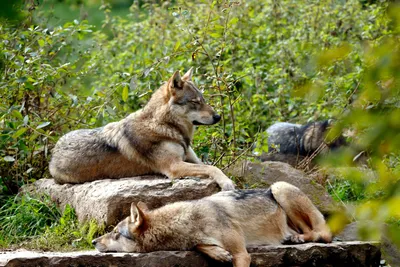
{"points": [[264, 174], [341, 254], [108, 201]]}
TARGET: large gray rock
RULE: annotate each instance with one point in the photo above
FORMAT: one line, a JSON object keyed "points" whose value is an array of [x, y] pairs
{"points": [[109, 200], [263, 174], [341, 254], [390, 252], [349, 233]]}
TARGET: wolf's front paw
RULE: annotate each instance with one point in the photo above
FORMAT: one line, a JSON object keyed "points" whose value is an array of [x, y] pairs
{"points": [[224, 256], [294, 239], [227, 185]]}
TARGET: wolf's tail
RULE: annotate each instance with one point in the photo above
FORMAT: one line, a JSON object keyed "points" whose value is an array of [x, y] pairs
{"points": [[303, 216]]}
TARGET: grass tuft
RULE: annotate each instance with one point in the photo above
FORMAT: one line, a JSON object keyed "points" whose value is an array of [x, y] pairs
{"points": [[35, 222]]}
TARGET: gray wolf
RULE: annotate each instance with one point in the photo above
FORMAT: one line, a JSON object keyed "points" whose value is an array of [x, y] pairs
{"points": [[298, 139], [288, 141], [155, 139], [221, 225]]}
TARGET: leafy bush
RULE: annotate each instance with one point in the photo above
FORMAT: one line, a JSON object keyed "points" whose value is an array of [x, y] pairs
{"points": [[38, 65]]}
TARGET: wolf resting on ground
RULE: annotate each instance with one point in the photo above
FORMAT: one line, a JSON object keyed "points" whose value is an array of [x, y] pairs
{"points": [[298, 139], [290, 142], [221, 225], [155, 139]]}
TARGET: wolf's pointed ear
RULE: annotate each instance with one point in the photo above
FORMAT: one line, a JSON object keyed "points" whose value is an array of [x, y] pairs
{"points": [[137, 215], [143, 206], [176, 81], [188, 75]]}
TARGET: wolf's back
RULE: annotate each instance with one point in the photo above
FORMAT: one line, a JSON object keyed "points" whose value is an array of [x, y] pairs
{"points": [[284, 137]]}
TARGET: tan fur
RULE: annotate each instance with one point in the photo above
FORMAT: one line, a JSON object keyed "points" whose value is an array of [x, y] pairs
{"points": [[155, 139], [303, 215], [313, 138], [221, 225]]}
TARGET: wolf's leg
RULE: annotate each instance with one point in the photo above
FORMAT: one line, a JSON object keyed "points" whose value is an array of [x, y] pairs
{"points": [[192, 157], [182, 169], [303, 216], [234, 242], [169, 161], [215, 252], [241, 259]]}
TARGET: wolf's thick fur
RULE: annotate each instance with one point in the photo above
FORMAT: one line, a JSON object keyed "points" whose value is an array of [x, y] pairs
{"points": [[221, 225], [298, 139], [155, 139]]}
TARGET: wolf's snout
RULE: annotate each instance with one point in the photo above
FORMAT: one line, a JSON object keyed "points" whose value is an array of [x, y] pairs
{"points": [[216, 118], [94, 241]]}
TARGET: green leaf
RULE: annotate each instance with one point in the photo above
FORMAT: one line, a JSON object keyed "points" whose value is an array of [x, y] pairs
{"points": [[233, 21], [41, 42], [216, 34], [42, 125], [125, 93], [19, 132], [16, 114], [177, 45]]}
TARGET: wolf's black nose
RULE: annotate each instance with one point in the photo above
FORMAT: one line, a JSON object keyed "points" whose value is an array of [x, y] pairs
{"points": [[94, 242], [216, 118]]}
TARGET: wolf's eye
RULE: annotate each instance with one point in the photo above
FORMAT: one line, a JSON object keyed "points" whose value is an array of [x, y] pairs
{"points": [[195, 102], [116, 235]]}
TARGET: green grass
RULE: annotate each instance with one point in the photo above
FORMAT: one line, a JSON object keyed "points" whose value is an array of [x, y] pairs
{"points": [[35, 222], [346, 190], [23, 217]]}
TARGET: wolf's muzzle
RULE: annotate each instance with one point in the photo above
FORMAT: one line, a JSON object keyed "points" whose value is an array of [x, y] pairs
{"points": [[216, 118]]}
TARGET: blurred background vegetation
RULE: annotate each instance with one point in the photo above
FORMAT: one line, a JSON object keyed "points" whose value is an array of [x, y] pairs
{"points": [[81, 64]]}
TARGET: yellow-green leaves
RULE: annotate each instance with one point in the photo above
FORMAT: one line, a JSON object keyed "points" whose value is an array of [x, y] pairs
{"points": [[125, 93], [41, 42]]}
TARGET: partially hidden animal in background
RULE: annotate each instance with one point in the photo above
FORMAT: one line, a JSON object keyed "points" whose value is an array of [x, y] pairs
{"points": [[221, 225], [288, 142], [154, 139]]}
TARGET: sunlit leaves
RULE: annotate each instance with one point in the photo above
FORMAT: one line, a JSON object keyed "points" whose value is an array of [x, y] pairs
{"points": [[125, 93]]}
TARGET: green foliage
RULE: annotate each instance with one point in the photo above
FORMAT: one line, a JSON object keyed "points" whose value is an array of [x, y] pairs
{"points": [[37, 67], [254, 60], [11, 10], [55, 12], [34, 221], [257, 61]]}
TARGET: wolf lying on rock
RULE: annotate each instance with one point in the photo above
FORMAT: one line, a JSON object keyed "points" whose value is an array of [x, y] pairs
{"points": [[155, 139], [221, 225]]}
